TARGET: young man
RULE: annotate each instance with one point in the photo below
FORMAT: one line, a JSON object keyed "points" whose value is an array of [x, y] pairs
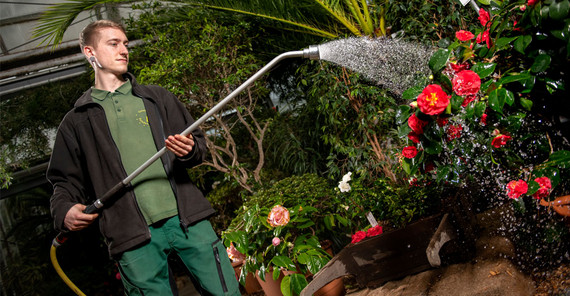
{"points": [[114, 128]]}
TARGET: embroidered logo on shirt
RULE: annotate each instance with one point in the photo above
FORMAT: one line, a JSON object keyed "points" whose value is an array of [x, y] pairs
{"points": [[142, 118]]}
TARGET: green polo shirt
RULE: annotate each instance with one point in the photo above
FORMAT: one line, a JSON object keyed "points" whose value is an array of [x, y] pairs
{"points": [[126, 116]]}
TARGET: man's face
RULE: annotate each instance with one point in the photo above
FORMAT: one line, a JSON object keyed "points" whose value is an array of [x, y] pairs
{"points": [[111, 50]]}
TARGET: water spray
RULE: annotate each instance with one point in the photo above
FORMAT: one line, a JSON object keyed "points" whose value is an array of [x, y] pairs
{"points": [[392, 63]]}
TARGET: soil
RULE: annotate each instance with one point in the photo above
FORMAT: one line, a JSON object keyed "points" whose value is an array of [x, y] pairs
{"points": [[555, 282]]}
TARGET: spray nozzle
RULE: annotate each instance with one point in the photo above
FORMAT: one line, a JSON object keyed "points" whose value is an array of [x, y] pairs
{"points": [[312, 52]]}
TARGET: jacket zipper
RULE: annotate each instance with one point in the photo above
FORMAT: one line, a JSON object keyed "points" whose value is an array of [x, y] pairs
{"points": [[219, 266], [132, 195]]}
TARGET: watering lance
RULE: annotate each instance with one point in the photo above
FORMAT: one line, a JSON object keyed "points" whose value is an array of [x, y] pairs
{"points": [[311, 53]]}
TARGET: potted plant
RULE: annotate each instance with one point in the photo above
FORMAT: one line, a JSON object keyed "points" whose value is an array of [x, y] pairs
{"points": [[280, 230]]}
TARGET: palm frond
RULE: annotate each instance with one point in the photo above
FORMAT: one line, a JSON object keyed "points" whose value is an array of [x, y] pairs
{"points": [[54, 22]]}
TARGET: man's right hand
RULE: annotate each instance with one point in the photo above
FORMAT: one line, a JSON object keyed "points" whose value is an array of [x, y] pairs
{"points": [[75, 219]]}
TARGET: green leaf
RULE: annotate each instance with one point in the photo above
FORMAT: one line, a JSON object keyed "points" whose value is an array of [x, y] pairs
{"points": [[526, 104], [495, 102], [509, 97], [284, 261], [559, 10], [286, 286], [522, 43], [533, 187], [541, 63], [412, 93], [484, 69], [297, 283], [433, 147], [560, 159], [503, 42], [480, 109], [439, 59], [456, 102], [402, 114]]}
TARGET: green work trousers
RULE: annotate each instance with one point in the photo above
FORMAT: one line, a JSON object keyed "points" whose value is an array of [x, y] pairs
{"points": [[144, 270]]}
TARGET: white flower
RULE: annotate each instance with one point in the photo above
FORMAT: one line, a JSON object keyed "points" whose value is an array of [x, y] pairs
{"points": [[343, 186], [346, 177]]}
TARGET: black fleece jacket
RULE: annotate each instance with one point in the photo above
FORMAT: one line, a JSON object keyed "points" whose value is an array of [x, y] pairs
{"points": [[85, 164]]}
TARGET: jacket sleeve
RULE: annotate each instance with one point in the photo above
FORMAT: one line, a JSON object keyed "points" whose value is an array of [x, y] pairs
{"points": [[179, 119], [66, 176]]}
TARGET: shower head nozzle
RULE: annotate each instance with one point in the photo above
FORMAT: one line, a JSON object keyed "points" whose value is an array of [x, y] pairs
{"points": [[312, 52]]}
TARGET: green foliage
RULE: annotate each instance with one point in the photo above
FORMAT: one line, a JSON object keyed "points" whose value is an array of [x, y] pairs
{"points": [[28, 120], [201, 61], [354, 118], [316, 214]]}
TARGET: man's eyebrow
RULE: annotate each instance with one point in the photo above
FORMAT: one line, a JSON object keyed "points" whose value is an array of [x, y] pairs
{"points": [[118, 40]]}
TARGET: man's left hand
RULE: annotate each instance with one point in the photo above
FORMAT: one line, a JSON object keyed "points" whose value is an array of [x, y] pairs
{"points": [[180, 145]]}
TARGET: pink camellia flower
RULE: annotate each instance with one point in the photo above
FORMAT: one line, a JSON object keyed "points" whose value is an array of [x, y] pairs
{"points": [[544, 189], [516, 188], [410, 152], [463, 35], [484, 37], [454, 132], [414, 137], [358, 236], [484, 17], [374, 231], [417, 125], [279, 216], [500, 140], [276, 241], [234, 254], [466, 83], [433, 100]]}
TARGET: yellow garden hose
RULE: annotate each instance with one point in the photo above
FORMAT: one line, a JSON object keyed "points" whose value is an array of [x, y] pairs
{"points": [[67, 281]]}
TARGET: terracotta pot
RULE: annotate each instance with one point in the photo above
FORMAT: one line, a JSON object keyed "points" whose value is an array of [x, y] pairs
{"points": [[334, 288], [251, 283], [270, 286]]}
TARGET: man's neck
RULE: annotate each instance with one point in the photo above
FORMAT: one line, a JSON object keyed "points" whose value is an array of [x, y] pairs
{"points": [[108, 82]]}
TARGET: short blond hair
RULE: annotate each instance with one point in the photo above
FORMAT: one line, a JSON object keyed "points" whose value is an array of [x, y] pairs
{"points": [[90, 32]]}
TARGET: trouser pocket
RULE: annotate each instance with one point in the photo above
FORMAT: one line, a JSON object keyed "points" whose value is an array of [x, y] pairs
{"points": [[216, 251]]}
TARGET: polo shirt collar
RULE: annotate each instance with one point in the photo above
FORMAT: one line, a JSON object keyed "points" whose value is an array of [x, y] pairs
{"points": [[100, 95]]}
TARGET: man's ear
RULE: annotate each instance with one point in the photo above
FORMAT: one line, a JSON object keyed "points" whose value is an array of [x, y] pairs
{"points": [[88, 51]]}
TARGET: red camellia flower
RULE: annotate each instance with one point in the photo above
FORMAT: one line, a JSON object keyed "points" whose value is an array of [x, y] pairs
{"points": [[466, 83], [516, 188], [500, 141], [409, 152], [463, 35], [454, 132], [358, 236], [417, 125], [433, 100], [484, 17], [468, 99], [374, 231], [441, 122], [544, 189], [484, 119], [414, 137], [484, 37], [531, 2]]}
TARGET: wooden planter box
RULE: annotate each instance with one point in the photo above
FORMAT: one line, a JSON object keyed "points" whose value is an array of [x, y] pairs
{"points": [[391, 255]]}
